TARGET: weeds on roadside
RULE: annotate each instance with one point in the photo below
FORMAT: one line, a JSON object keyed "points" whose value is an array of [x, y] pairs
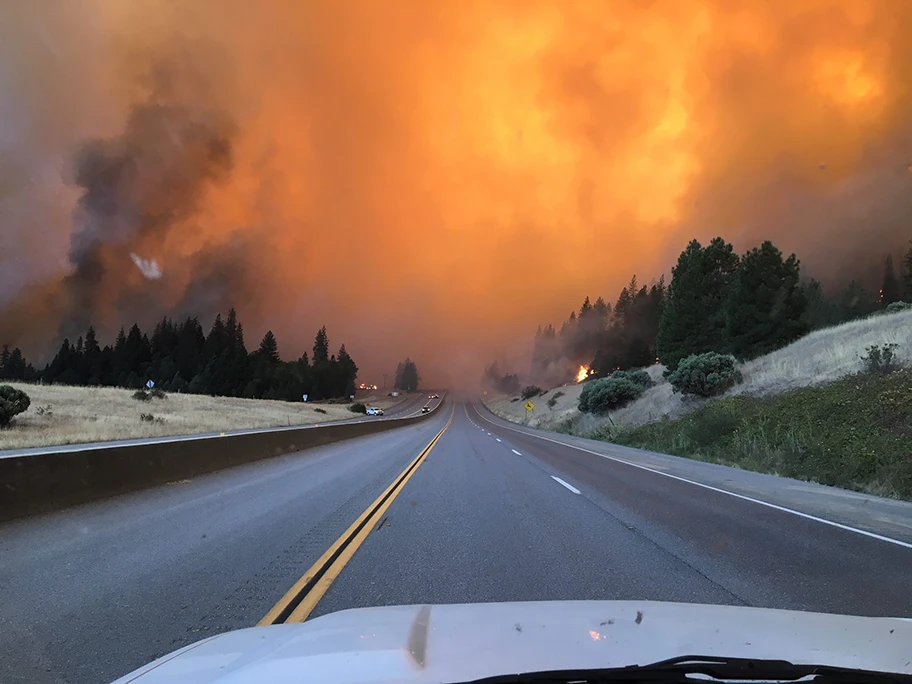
{"points": [[853, 433], [552, 402], [881, 358]]}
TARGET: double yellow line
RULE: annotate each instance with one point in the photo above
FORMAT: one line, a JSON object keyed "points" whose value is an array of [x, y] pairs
{"points": [[303, 597]]}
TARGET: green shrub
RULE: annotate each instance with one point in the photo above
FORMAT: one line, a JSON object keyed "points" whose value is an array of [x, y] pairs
{"points": [[612, 394], [638, 377], [531, 391], [881, 359], [583, 404], [358, 408], [142, 395], [150, 418], [12, 403], [319, 410], [705, 375], [552, 402], [606, 394], [157, 393], [514, 399], [588, 388]]}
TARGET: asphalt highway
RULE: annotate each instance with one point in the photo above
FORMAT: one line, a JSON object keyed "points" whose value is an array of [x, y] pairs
{"points": [[492, 512]]}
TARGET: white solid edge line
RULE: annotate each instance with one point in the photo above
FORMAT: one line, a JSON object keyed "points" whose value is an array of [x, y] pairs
{"points": [[807, 516], [568, 486], [516, 452]]}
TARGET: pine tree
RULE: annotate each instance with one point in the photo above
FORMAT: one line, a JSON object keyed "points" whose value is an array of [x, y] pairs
{"points": [[137, 353], [321, 347], [17, 368], [819, 312], [348, 371], [4, 362], [91, 358], [693, 321], [400, 367], [766, 306], [624, 306], [216, 341], [603, 311], [304, 373], [890, 290], [234, 358], [189, 352], [61, 362], [269, 348], [407, 377], [117, 371]]}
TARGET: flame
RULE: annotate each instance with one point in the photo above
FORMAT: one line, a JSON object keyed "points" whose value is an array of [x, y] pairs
{"points": [[582, 373]]}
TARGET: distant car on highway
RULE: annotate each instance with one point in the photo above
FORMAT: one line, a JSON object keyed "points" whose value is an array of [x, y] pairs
{"points": [[425, 409], [375, 411]]}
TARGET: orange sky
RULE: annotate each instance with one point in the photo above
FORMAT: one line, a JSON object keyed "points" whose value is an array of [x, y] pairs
{"points": [[434, 179]]}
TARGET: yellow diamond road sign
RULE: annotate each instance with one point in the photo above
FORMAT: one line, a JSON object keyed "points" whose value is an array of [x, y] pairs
{"points": [[529, 406]]}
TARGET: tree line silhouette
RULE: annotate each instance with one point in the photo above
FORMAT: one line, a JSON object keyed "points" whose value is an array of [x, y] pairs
{"points": [[180, 357], [745, 305]]}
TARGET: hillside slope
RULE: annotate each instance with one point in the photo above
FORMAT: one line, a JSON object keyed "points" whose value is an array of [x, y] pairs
{"points": [[819, 358], [805, 411]]}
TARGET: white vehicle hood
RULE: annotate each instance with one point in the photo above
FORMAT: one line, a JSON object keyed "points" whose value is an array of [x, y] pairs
{"points": [[456, 643]]}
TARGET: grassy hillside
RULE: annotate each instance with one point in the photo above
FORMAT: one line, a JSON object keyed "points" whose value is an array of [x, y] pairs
{"points": [[819, 358], [854, 433], [804, 411], [68, 415]]}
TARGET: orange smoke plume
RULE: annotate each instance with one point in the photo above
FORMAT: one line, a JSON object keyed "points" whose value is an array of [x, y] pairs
{"points": [[423, 177]]}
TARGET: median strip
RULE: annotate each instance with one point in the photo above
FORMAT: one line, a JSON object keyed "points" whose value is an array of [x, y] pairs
{"points": [[302, 598]]}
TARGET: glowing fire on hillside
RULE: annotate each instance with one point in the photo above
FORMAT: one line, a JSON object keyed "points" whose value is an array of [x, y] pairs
{"points": [[583, 373]]}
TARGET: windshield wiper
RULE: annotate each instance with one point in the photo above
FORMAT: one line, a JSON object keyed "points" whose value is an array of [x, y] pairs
{"points": [[678, 669]]}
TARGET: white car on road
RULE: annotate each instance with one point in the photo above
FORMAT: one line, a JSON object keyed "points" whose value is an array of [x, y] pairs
{"points": [[375, 411]]}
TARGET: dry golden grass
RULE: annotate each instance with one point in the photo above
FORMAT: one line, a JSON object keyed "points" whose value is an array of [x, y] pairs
{"points": [[71, 415], [826, 355], [819, 358]]}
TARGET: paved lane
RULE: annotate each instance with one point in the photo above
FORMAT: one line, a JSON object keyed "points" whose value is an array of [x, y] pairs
{"points": [[498, 515], [495, 513], [92, 592]]}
